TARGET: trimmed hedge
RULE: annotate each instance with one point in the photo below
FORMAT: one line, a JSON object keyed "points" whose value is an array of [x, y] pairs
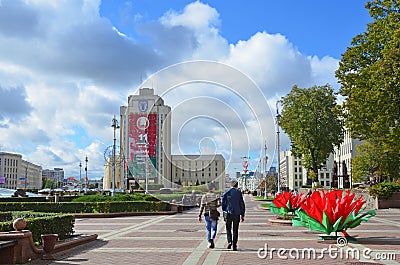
{"points": [[384, 190], [4, 217], [87, 207], [37, 199], [43, 223], [117, 197]]}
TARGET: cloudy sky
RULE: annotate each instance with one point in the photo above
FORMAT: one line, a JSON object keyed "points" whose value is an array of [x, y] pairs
{"points": [[67, 66]]}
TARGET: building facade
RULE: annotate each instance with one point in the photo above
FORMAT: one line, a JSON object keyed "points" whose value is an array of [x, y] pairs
{"points": [[145, 140], [334, 173], [192, 170], [343, 157], [291, 171], [56, 175], [108, 173], [16, 173]]}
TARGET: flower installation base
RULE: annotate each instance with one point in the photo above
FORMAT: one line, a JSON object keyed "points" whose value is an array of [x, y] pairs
{"points": [[335, 238]]}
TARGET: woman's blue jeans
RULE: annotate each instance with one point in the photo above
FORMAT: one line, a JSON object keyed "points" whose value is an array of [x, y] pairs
{"points": [[211, 227]]}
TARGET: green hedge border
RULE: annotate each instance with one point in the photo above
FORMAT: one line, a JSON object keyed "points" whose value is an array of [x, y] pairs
{"points": [[87, 207], [43, 223]]}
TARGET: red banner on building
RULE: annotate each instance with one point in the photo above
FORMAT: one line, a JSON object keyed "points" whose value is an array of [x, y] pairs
{"points": [[142, 140]]}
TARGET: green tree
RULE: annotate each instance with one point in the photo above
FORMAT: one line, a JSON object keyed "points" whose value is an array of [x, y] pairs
{"points": [[369, 74], [310, 120], [48, 183], [371, 160]]}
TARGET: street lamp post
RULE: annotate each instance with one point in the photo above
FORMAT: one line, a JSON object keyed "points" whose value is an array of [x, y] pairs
{"points": [[80, 176], [278, 117], [115, 126], [147, 169], [264, 166], [86, 178]]}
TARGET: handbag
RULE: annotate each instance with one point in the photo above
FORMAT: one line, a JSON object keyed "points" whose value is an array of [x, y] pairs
{"points": [[214, 214]]}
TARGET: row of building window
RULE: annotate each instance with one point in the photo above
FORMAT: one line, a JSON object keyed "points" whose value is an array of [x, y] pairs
{"points": [[190, 174], [182, 164], [9, 162]]}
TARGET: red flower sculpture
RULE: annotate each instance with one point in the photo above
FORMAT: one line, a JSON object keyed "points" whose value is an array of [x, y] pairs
{"points": [[286, 202], [331, 212]]}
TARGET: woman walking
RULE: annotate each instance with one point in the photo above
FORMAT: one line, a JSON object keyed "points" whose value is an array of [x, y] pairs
{"points": [[209, 204]]}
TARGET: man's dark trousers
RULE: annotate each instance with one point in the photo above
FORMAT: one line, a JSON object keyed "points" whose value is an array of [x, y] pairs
{"points": [[232, 219]]}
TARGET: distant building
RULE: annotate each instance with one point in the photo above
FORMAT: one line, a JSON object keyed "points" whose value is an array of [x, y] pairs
{"points": [[293, 175], [16, 173], [343, 156], [291, 171], [192, 170], [56, 175], [248, 182], [334, 173], [119, 170], [145, 138]]}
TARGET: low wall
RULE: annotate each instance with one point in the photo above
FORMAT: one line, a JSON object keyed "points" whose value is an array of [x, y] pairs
{"points": [[392, 202], [25, 251]]}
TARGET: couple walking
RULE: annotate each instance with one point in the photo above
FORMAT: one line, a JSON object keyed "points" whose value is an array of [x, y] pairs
{"points": [[234, 207]]}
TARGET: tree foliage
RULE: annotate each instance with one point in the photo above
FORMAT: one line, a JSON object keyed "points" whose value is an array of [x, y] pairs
{"points": [[310, 120], [372, 161], [369, 73]]}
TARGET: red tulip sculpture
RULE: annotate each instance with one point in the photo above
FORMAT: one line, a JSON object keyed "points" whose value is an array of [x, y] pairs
{"points": [[331, 212], [285, 202]]}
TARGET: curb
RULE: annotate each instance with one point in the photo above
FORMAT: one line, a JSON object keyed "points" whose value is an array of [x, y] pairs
{"points": [[121, 214]]}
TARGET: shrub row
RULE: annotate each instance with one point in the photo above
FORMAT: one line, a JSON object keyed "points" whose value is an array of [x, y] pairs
{"points": [[37, 199], [117, 197], [86, 207], [384, 190], [42, 223]]}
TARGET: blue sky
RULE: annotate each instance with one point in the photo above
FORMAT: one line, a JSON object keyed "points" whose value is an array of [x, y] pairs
{"points": [[67, 66], [316, 27]]}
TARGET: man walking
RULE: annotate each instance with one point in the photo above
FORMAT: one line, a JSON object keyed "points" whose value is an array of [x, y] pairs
{"points": [[233, 205]]}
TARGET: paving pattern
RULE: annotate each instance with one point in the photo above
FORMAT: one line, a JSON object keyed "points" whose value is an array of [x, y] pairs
{"points": [[180, 240]]}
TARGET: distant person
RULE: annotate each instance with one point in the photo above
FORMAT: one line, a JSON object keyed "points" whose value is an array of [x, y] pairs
{"points": [[209, 204], [233, 205], [193, 198]]}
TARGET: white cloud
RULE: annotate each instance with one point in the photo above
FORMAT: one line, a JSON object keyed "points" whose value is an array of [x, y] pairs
{"points": [[71, 69]]}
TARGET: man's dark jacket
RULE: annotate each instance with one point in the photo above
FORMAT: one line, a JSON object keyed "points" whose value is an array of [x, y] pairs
{"points": [[236, 205]]}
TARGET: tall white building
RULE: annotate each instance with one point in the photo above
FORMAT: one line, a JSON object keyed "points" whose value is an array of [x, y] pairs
{"points": [[291, 171], [16, 173], [335, 173], [145, 137], [343, 156], [294, 175]]}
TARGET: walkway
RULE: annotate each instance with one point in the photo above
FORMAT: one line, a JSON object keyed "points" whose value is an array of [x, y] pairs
{"points": [[180, 239]]}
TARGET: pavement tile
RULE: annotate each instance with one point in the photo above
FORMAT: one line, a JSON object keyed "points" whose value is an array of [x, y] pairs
{"points": [[180, 240]]}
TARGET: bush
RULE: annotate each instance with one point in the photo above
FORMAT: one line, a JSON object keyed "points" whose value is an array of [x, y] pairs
{"points": [[117, 198], [42, 223], [87, 207], [384, 190], [5, 216]]}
